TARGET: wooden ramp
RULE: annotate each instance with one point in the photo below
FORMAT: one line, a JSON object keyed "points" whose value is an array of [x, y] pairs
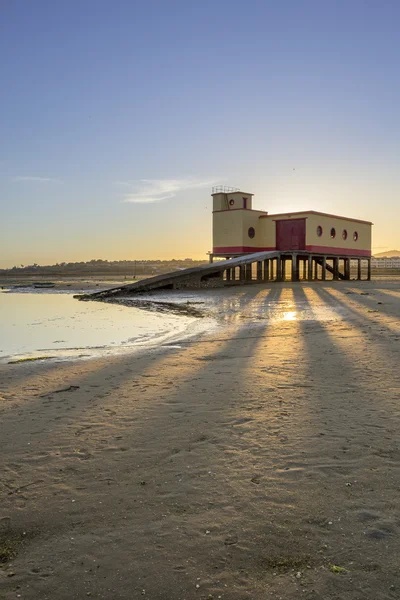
{"points": [[194, 275]]}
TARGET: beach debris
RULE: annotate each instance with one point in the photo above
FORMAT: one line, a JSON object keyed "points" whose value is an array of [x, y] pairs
{"points": [[298, 575], [255, 480], [231, 539], [29, 359], [24, 487], [337, 569], [176, 308], [71, 388]]}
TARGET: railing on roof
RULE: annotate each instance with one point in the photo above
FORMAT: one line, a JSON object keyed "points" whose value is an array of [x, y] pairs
{"points": [[224, 189]]}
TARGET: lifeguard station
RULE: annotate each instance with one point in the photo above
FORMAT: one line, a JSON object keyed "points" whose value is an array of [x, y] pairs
{"points": [[257, 246], [309, 238]]}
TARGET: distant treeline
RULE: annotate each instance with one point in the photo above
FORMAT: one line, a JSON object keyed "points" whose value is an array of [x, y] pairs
{"points": [[104, 267]]}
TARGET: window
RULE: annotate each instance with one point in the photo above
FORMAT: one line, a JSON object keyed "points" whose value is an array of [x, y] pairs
{"points": [[319, 231], [355, 236], [344, 234], [231, 202], [251, 232], [333, 233]]}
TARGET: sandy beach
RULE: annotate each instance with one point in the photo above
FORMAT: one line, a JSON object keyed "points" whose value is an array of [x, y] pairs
{"points": [[261, 460]]}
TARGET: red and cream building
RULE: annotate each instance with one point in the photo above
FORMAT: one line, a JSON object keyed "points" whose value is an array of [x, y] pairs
{"points": [[239, 229]]}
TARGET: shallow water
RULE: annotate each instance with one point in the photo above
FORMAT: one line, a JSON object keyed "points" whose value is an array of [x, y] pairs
{"points": [[256, 303], [45, 323], [48, 324]]}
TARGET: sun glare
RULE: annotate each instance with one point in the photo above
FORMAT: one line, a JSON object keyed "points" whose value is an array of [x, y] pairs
{"points": [[290, 316]]}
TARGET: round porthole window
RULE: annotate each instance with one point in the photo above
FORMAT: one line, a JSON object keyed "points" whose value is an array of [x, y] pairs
{"points": [[355, 236], [251, 232], [344, 234], [231, 202], [333, 233], [319, 231]]}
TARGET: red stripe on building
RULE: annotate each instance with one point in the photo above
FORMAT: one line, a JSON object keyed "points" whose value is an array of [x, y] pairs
{"points": [[330, 251], [342, 251]]}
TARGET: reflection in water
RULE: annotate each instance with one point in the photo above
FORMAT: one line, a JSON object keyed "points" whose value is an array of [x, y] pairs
{"points": [[58, 325], [290, 316], [229, 305]]}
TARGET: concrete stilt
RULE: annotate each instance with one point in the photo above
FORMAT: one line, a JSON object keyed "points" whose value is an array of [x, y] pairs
{"points": [[266, 269], [310, 268], [295, 276], [359, 269], [228, 274], [335, 269], [242, 271], [323, 268], [369, 269], [347, 268], [279, 269], [259, 270], [249, 276]]}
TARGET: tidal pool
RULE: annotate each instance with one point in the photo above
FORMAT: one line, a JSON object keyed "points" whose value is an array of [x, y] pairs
{"points": [[50, 324]]}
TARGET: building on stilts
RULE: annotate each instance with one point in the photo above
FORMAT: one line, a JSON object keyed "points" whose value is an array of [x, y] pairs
{"points": [[310, 243]]}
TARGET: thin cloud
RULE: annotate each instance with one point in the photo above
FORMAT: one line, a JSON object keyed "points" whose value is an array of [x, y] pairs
{"points": [[148, 191], [35, 179]]}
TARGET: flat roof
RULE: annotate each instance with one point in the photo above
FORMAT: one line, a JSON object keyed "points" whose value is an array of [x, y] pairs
{"points": [[314, 212], [231, 193]]}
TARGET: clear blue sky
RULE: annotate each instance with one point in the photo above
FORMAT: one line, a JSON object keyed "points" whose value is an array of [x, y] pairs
{"points": [[117, 117]]}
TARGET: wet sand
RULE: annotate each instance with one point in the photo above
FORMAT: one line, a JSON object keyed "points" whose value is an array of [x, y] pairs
{"points": [[86, 283], [259, 461]]}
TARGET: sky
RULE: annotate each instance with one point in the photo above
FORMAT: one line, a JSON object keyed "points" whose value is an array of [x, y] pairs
{"points": [[118, 117]]}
